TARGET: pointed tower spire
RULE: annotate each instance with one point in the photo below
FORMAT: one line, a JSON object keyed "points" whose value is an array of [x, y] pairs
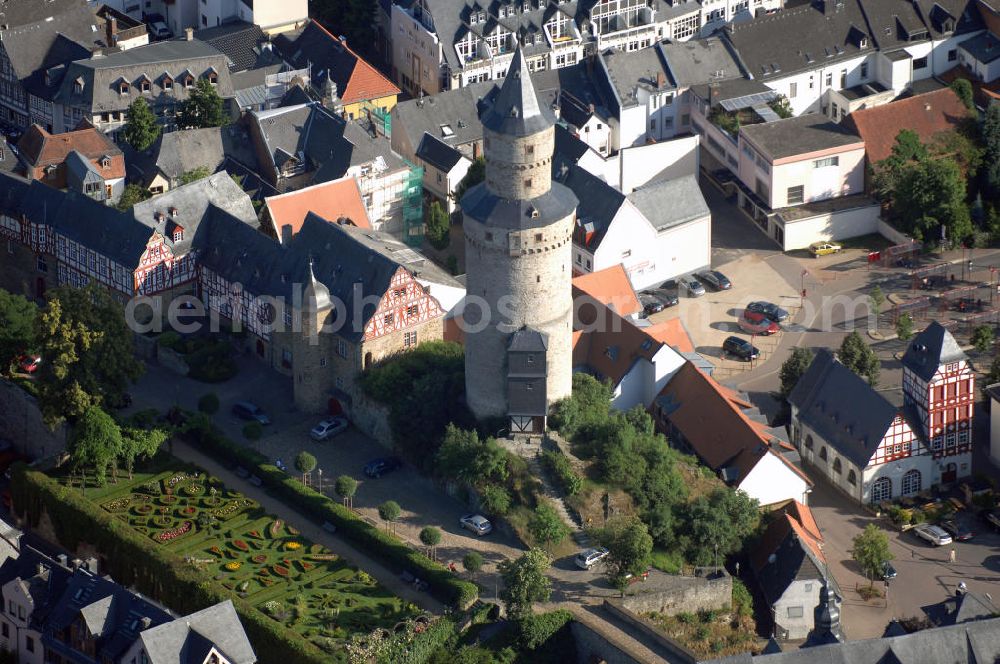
{"points": [[315, 295], [515, 110]]}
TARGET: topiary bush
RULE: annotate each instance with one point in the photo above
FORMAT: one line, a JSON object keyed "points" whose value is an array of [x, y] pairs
{"points": [[253, 431], [208, 403]]}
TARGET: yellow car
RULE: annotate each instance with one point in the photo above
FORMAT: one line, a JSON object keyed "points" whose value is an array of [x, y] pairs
{"points": [[824, 248]]}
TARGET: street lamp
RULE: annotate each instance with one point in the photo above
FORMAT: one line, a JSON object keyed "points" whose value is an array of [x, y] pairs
{"points": [[802, 284]]}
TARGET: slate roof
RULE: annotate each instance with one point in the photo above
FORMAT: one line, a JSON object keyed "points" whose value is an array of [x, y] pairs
{"points": [[422, 268], [610, 287], [458, 109], [963, 14], [308, 129], [927, 114], [190, 639], [800, 135], [930, 349], [515, 110], [177, 152], [437, 153], [483, 205], [670, 203], [796, 544], [626, 70], [977, 641], [39, 148], [598, 203], [44, 586], [712, 420], [239, 42], [332, 59], [158, 61], [699, 61], [894, 24], [335, 200], [984, 47], [803, 33], [842, 408], [193, 203], [21, 12], [528, 340], [961, 608], [37, 44]]}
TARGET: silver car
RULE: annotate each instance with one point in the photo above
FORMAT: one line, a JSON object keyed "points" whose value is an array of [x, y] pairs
{"points": [[933, 534], [328, 428], [590, 557], [476, 523], [694, 287]]}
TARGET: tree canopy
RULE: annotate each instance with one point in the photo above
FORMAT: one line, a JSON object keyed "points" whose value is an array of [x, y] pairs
{"points": [[87, 352], [203, 107], [871, 550], [141, 128], [546, 526], [18, 317], [139, 444], [305, 462], [437, 226], [859, 357], [95, 442], [793, 368], [525, 583], [904, 327], [630, 549], [464, 457], [132, 194], [586, 407], [717, 525], [963, 89]]}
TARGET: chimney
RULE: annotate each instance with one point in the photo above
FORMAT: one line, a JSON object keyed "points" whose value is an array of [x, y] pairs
{"points": [[173, 212], [76, 563], [111, 26], [91, 564], [286, 233], [146, 622], [40, 568], [189, 34], [661, 79], [63, 559]]}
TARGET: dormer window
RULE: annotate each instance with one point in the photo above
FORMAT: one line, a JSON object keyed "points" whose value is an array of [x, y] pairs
{"points": [[123, 87], [188, 81], [212, 76], [178, 234], [168, 83], [105, 162], [145, 85], [78, 86]]}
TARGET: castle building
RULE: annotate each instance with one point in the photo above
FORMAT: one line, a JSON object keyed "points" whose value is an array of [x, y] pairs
{"points": [[518, 246]]}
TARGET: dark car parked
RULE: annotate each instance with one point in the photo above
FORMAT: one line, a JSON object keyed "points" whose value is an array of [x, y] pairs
{"points": [[650, 304], [769, 309], [741, 348], [246, 410], [715, 279], [669, 299], [957, 530], [376, 468]]}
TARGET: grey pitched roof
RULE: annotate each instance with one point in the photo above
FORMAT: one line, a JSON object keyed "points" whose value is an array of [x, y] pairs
{"points": [[21, 12], [515, 109], [193, 203], [485, 206], [177, 152], [50, 38], [700, 61], [947, 17], [977, 641], [795, 136], [309, 130], [80, 170], [670, 203], [437, 153], [187, 640], [930, 349], [389, 246], [45, 585], [894, 24], [807, 36], [793, 561], [599, 202], [157, 62], [239, 42], [961, 608], [984, 47], [626, 71], [458, 109], [842, 408], [528, 340]]}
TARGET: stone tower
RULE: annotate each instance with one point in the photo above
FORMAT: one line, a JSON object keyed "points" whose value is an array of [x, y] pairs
{"points": [[518, 246], [310, 347]]}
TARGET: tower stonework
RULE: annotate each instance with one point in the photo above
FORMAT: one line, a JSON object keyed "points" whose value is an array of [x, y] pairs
{"points": [[518, 245], [311, 348]]}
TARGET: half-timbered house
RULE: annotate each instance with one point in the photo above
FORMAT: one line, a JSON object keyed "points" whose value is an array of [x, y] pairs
{"points": [[876, 451]]}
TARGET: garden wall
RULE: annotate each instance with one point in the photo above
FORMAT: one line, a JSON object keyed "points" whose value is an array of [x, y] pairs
{"points": [[21, 423], [679, 654], [372, 418], [895, 236], [675, 594]]}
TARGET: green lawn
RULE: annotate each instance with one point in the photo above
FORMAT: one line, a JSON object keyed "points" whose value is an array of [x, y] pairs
{"points": [[294, 581]]}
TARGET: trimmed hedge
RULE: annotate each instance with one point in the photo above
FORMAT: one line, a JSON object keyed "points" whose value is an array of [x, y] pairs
{"points": [[562, 471], [386, 548], [136, 561]]}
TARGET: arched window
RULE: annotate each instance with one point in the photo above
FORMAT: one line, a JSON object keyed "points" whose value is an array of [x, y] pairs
{"points": [[368, 360], [881, 490], [837, 468], [852, 478], [822, 453], [911, 482], [809, 442]]}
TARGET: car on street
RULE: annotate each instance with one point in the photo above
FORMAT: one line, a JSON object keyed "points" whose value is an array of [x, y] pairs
{"points": [[956, 530], [754, 323], [818, 249], [650, 304], [476, 523], [29, 363], [769, 309], [376, 468], [715, 279], [993, 518], [590, 557], [668, 298], [888, 571], [328, 428], [159, 30], [933, 534], [693, 287], [246, 410], [741, 348]]}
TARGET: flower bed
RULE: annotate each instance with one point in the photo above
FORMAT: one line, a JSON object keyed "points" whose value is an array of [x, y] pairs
{"points": [[168, 500], [118, 504], [233, 566], [260, 559], [281, 570], [216, 550], [176, 479], [168, 535], [241, 545], [276, 528], [194, 489], [293, 546], [143, 509], [188, 511]]}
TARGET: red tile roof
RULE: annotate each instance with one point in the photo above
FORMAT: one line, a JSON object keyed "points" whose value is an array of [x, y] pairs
{"points": [[610, 287], [334, 201], [610, 345], [712, 421], [366, 82], [40, 149], [798, 519], [927, 114], [673, 333]]}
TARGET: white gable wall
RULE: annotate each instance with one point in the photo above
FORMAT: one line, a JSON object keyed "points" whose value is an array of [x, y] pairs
{"points": [[771, 481]]}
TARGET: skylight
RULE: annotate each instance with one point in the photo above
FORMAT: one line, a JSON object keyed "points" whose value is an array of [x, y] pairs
{"points": [[447, 131]]}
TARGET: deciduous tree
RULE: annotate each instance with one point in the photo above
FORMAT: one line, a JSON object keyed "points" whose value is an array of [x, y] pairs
{"points": [[305, 463], [630, 549], [389, 511], [991, 143], [793, 368], [345, 487], [437, 226], [132, 194], [717, 525], [876, 298], [930, 195], [140, 444], [546, 526], [904, 327], [95, 442], [871, 551], [141, 128], [202, 108], [858, 356], [430, 537], [983, 338], [17, 327], [963, 89], [525, 583], [472, 562]]}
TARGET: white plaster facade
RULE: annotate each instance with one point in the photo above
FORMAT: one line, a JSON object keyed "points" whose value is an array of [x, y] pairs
{"points": [[794, 610], [646, 379], [442, 184], [771, 481], [799, 232], [15, 635]]}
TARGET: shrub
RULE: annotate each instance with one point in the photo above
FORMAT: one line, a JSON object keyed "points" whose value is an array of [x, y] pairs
{"points": [[169, 339], [253, 431], [472, 561], [702, 632], [212, 362], [685, 617], [495, 500], [562, 471], [534, 630], [208, 403]]}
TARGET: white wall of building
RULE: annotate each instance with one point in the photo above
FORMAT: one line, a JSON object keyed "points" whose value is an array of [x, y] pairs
{"points": [[801, 594], [805, 89], [995, 431], [416, 53], [839, 225], [670, 159], [819, 182], [771, 481]]}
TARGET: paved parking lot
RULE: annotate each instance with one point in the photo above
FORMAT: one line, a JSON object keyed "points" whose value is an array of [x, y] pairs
{"points": [[924, 574]]}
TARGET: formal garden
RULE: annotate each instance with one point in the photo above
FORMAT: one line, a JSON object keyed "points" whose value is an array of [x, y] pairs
{"points": [[261, 559]]}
